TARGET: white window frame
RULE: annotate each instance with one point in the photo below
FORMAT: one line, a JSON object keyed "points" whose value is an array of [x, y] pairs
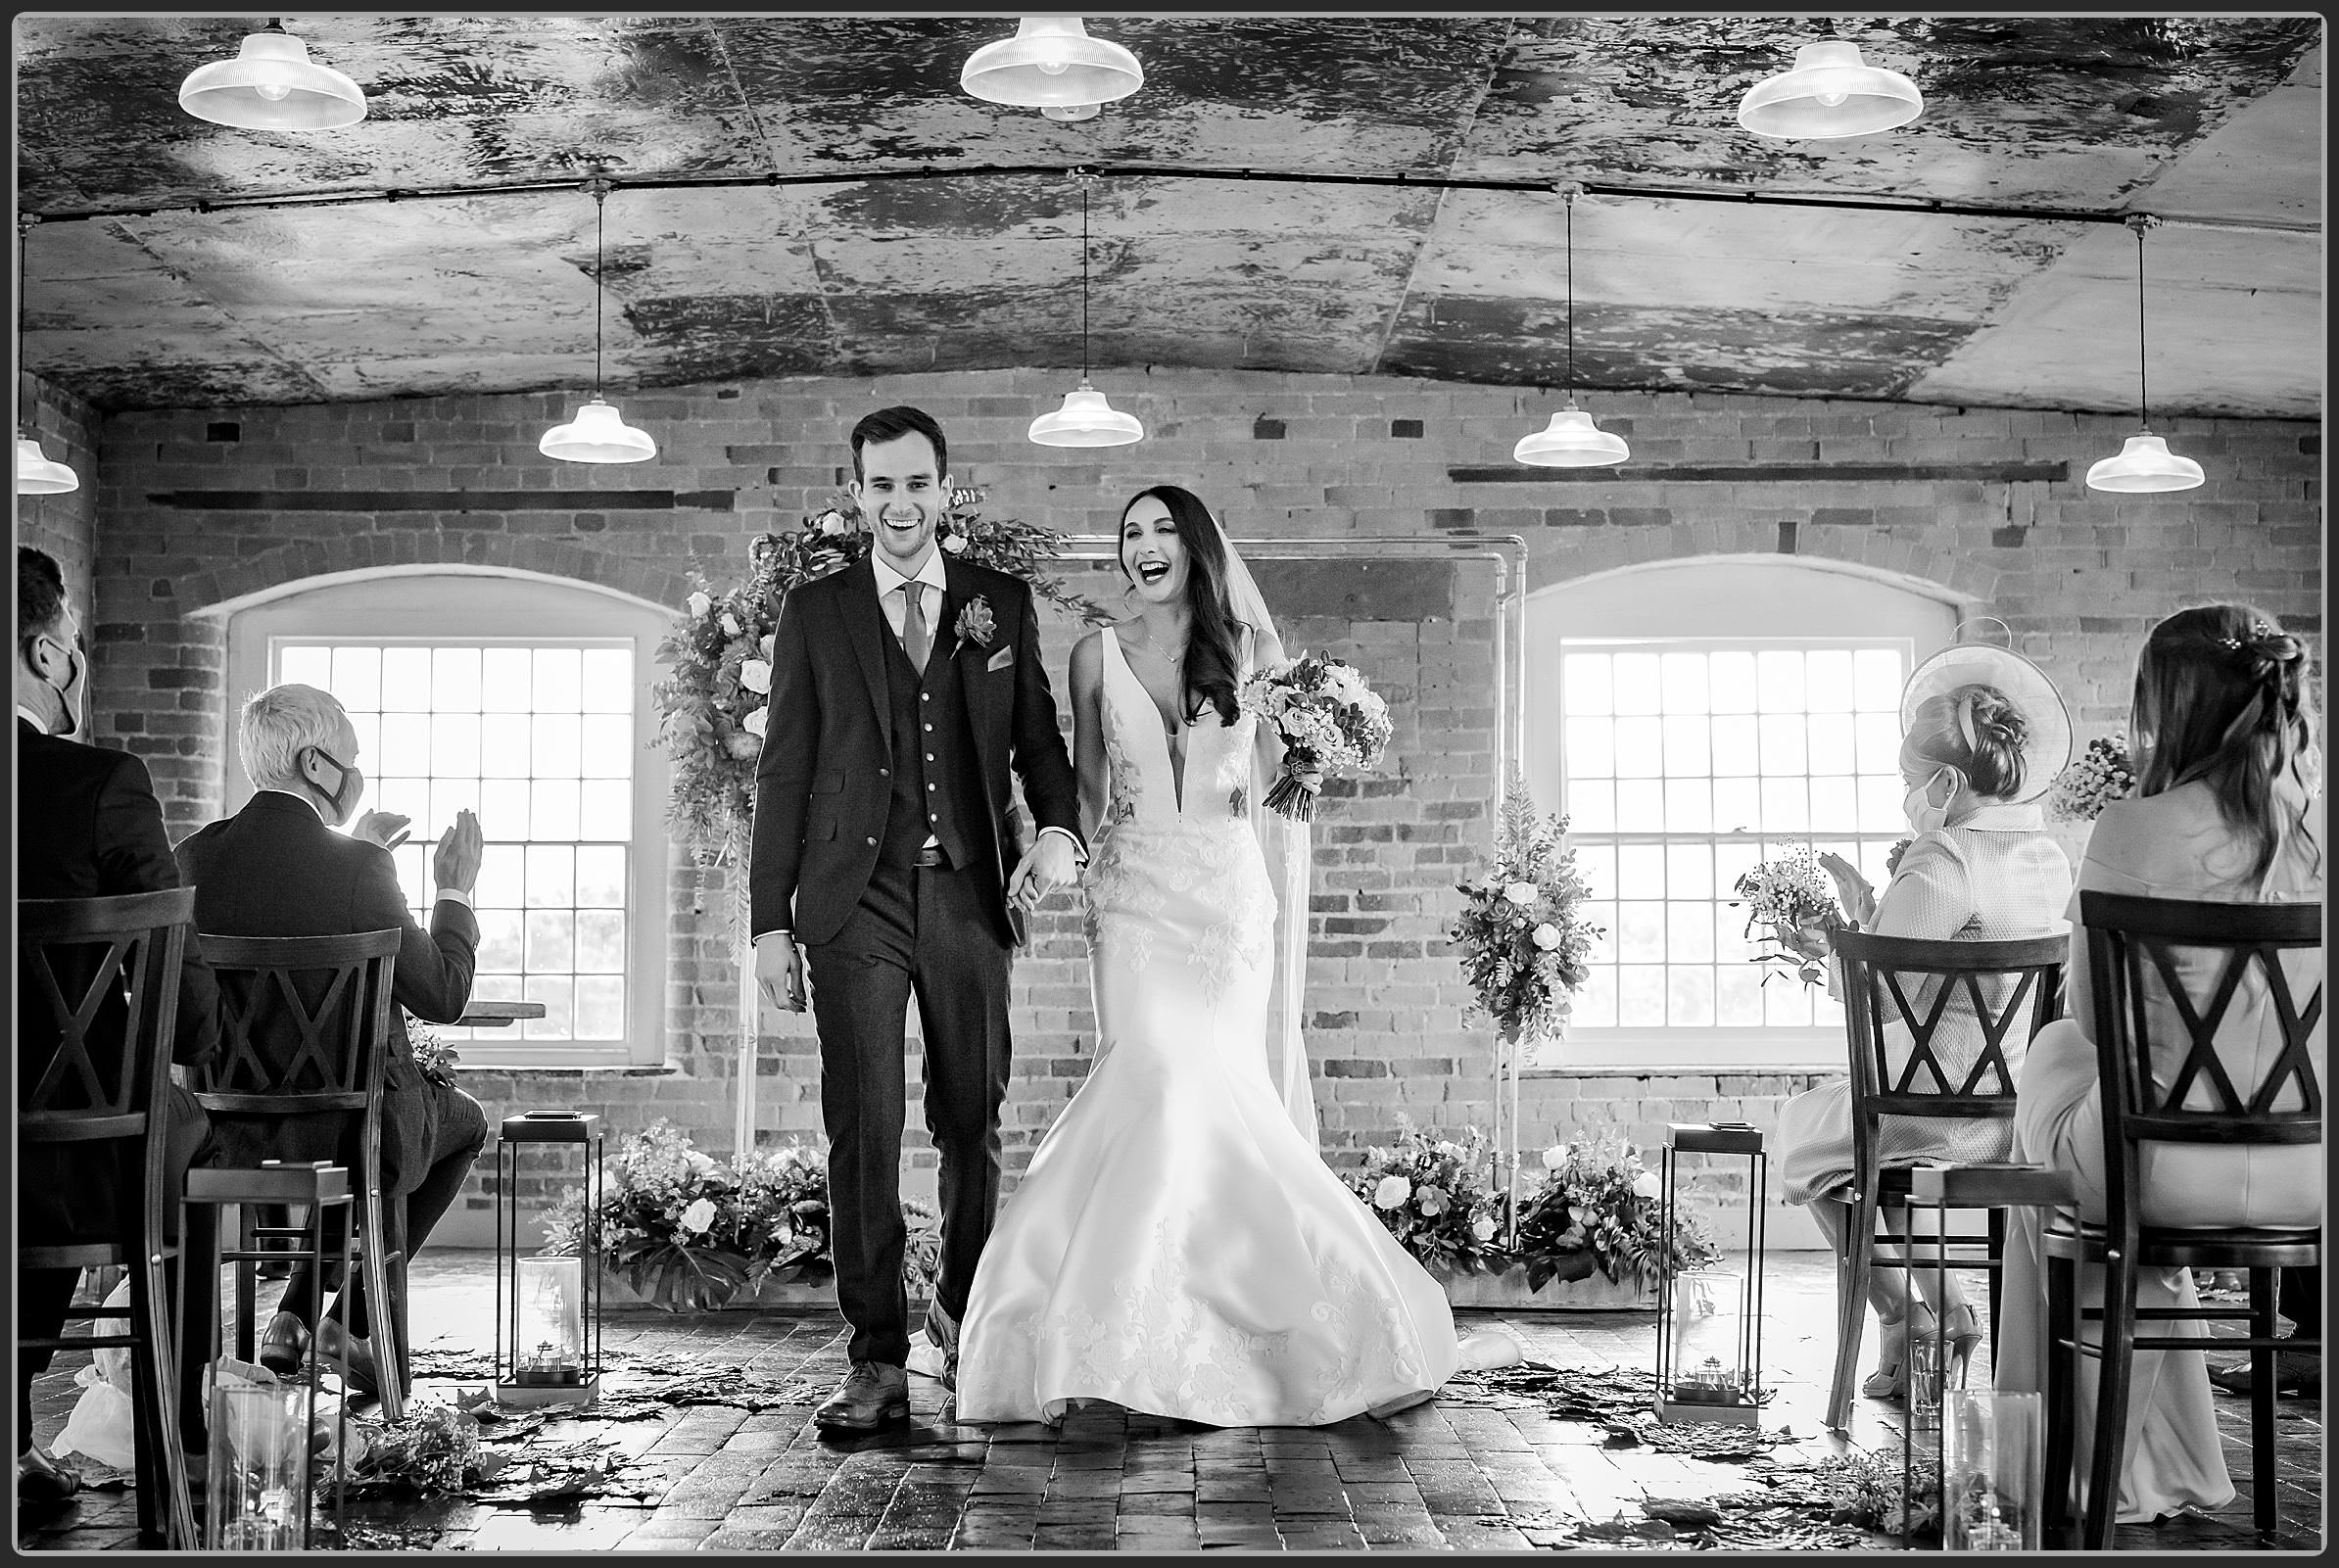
{"points": [[437, 604], [1711, 602]]}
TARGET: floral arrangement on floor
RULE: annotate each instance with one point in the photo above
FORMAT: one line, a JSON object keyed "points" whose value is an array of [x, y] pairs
{"points": [[1524, 942], [1330, 720], [1598, 1206], [1791, 903], [1432, 1194], [2096, 777], [712, 704], [689, 1233]]}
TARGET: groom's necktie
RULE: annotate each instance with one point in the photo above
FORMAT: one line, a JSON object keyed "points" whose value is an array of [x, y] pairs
{"points": [[915, 641]]}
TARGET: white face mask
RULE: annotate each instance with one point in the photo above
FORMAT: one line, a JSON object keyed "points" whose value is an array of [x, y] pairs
{"points": [[1918, 804]]}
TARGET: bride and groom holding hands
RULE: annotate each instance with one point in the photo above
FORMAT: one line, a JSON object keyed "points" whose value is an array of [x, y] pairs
{"points": [[1177, 1246]]}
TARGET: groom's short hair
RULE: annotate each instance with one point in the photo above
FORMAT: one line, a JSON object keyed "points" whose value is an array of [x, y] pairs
{"points": [[892, 424]]}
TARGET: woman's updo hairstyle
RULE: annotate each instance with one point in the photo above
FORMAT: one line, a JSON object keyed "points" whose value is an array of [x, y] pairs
{"points": [[1978, 731]]}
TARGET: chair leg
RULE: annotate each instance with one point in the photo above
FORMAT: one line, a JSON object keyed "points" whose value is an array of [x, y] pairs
{"points": [[149, 1398], [2265, 1478], [158, 1384], [2062, 1410], [1852, 1309], [381, 1315], [1997, 1276], [247, 1290], [2113, 1368]]}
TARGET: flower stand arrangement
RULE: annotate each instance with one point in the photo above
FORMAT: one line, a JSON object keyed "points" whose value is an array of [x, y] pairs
{"points": [[682, 1232]]}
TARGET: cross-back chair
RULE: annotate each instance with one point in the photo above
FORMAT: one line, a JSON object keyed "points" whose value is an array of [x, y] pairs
{"points": [[2193, 1090], [106, 971], [1898, 991], [305, 1032]]}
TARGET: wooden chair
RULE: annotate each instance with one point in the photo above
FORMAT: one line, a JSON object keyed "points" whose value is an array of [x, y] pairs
{"points": [[1910, 982], [84, 957], [2131, 954], [328, 997]]}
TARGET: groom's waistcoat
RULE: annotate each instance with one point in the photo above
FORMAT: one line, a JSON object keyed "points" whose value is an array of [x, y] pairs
{"points": [[943, 796]]}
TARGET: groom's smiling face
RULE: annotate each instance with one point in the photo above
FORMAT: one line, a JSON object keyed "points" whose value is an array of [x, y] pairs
{"points": [[901, 496]]}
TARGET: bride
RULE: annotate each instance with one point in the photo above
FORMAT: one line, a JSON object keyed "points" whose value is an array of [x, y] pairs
{"points": [[1178, 1247]]}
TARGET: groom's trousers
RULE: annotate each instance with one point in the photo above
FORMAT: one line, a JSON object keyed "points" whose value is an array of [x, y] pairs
{"points": [[923, 932]]}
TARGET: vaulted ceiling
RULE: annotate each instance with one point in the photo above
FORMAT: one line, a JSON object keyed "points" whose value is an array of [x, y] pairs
{"points": [[1362, 195]]}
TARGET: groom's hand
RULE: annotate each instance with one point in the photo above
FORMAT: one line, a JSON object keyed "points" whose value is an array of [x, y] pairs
{"points": [[780, 970], [1049, 863]]}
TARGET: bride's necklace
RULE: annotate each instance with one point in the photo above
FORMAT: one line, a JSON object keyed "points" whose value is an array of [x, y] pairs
{"points": [[1175, 663]]}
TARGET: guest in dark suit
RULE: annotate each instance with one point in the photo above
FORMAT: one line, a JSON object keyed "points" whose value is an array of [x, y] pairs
{"points": [[88, 826], [904, 687], [277, 869]]}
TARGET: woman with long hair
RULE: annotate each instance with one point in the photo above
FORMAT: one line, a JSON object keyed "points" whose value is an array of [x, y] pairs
{"points": [[1984, 733], [2229, 773]]}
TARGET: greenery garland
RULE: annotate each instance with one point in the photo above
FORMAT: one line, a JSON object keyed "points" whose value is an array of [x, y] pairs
{"points": [[712, 703]]}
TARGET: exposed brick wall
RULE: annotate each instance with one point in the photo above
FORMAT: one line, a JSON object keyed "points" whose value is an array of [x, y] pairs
{"points": [[62, 525], [2078, 576]]}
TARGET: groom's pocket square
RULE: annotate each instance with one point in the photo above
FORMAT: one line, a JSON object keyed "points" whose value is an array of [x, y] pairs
{"points": [[999, 660]]}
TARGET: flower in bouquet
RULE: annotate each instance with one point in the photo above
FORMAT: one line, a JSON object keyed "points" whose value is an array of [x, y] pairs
{"points": [[2097, 777], [1431, 1193], [432, 1054], [1328, 718], [1790, 910], [1598, 1207], [1524, 942]]}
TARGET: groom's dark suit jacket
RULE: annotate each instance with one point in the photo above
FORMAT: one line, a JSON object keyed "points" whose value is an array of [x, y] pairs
{"points": [[824, 785]]}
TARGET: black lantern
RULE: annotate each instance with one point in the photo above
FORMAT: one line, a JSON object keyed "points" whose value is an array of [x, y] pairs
{"points": [[1709, 1320], [547, 1308]]}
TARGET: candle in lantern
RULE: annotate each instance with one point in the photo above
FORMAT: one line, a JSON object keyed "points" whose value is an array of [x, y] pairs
{"points": [[553, 1321]]}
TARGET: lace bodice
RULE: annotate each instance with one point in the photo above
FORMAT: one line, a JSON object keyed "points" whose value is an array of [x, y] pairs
{"points": [[1144, 780]]}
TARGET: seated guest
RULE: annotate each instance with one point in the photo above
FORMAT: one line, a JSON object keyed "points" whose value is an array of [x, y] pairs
{"points": [[277, 869], [1987, 734], [87, 827], [2225, 811]]}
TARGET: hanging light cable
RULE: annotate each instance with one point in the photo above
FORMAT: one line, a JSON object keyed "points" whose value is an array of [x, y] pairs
{"points": [[2145, 464], [597, 435], [272, 85], [36, 475], [1571, 440], [1085, 419]]}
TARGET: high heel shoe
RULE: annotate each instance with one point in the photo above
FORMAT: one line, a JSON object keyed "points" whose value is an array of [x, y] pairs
{"points": [[1964, 1333], [1890, 1379]]}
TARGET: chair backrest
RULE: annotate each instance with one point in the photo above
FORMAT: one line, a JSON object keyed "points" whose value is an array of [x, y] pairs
{"points": [[105, 971], [2137, 959], [304, 1023], [1999, 986]]}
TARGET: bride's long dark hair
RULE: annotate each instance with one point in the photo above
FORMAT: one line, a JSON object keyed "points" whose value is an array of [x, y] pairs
{"points": [[1212, 634]]}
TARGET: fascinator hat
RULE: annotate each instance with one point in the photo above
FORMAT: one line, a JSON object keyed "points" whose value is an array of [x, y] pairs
{"points": [[2046, 744]]}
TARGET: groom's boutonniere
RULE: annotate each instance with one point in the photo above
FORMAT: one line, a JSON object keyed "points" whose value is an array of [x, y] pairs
{"points": [[975, 623]]}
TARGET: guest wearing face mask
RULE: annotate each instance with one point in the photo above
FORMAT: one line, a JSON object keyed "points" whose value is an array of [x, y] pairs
{"points": [[1984, 734], [277, 869]]}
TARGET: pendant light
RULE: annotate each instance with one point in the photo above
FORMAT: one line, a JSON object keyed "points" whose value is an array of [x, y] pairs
{"points": [[597, 435], [1051, 62], [2145, 464], [1829, 94], [1571, 440], [36, 475], [272, 85], [1085, 419]]}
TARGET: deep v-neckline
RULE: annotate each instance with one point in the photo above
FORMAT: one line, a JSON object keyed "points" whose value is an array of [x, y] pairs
{"points": [[1170, 750]]}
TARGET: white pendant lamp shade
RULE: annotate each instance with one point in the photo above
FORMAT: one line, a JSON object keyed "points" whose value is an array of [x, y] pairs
{"points": [[597, 436], [272, 85], [1051, 61], [1829, 94], [1570, 441], [2145, 464], [1086, 420], [38, 476], [1069, 113]]}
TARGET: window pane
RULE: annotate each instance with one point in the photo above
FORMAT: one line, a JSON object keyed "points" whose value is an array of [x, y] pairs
{"points": [[1736, 750], [606, 810], [1640, 808], [1785, 749], [1684, 676], [1687, 752], [306, 664], [555, 992], [1690, 996], [1688, 871], [1592, 807], [1589, 751], [1878, 675], [406, 679], [1641, 996], [553, 809], [1737, 805], [1688, 935], [608, 675], [1778, 680], [355, 679], [499, 940], [1880, 805], [504, 808], [600, 878], [408, 797], [609, 746], [1689, 806], [406, 743], [1835, 804], [1639, 686], [503, 680], [1640, 749], [447, 797], [1729, 679], [454, 679], [1786, 1004], [551, 941], [1786, 806], [1585, 681], [555, 752], [1878, 742], [559, 680], [1595, 1003], [503, 749], [1829, 736], [1641, 870], [600, 1008], [454, 743], [1641, 934], [499, 880], [552, 876], [1738, 995], [1828, 677], [601, 942]]}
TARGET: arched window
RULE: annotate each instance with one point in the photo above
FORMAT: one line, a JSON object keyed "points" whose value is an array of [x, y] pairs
{"points": [[526, 700], [1694, 718]]}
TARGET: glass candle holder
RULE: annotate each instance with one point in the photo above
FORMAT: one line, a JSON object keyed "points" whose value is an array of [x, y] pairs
{"points": [[1708, 1362], [1991, 1470], [1923, 1371], [256, 1494], [550, 1352]]}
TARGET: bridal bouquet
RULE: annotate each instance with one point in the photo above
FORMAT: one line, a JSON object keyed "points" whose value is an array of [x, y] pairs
{"points": [[2097, 777], [1525, 944], [714, 703], [1329, 722], [1792, 902]]}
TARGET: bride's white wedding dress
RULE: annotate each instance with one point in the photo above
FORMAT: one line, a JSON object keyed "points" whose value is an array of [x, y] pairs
{"points": [[1178, 1247]]}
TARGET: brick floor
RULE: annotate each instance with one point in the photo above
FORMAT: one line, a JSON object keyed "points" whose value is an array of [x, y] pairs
{"points": [[1441, 1476]]}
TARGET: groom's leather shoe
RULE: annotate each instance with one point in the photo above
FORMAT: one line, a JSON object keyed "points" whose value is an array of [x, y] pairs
{"points": [[870, 1395], [942, 1329]]}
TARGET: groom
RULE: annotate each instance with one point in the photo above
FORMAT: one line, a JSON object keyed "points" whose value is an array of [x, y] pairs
{"points": [[903, 690]]}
